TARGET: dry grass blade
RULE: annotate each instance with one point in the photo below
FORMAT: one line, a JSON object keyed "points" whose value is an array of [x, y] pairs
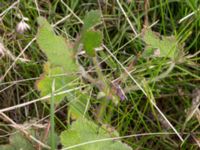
{"points": [[9, 8], [118, 138], [131, 25], [17, 58], [39, 99], [194, 110], [18, 127], [188, 16], [153, 103]]}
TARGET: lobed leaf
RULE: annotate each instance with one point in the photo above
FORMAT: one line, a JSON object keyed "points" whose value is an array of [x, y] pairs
{"points": [[19, 141], [56, 48], [159, 46], [44, 84], [91, 40], [83, 130], [60, 61], [91, 19]]}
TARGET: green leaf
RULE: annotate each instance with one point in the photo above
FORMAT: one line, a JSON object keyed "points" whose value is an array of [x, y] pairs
{"points": [[109, 61], [84, 130], [159, 46], [56, 48], [60, 61], [19, 141], [148, 52], [6, 147], [91, 40], [44, 84], [78, 106], [91, 19]]}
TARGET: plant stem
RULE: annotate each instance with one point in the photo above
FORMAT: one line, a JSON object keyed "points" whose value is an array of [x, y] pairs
{"points": [[52, 117], [105, 89]]}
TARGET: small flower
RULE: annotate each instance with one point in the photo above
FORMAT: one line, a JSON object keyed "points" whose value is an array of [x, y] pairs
{"points": [[22, 26]]}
